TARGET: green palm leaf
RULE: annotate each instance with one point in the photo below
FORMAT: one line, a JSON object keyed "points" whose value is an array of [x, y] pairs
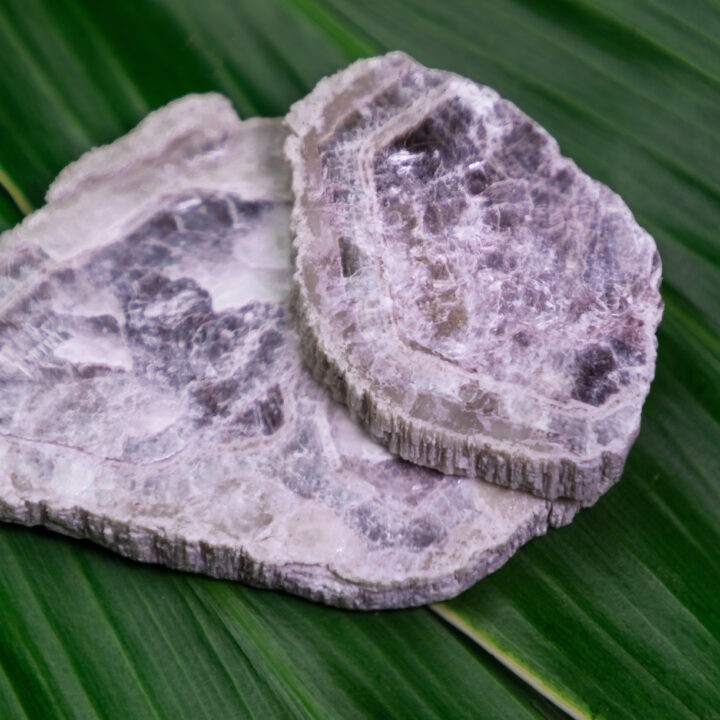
{"points": [[615, 616]]}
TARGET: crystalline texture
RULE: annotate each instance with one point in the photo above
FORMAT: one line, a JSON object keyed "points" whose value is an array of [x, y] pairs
{"points": [[480, 304], [153, 397]]}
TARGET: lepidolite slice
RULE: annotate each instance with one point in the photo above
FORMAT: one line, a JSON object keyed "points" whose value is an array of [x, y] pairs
{"points": [[153, 398], [480, 304]]}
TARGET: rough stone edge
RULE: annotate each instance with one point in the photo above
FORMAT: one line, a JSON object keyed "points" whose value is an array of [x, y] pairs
{"points": [[145, 544], [148, 140], [297, 120], [416, 441], [204, 121]]}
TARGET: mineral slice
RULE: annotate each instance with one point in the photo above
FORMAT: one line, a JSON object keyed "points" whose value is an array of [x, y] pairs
{"points": [[153, 397], [480, 304]]}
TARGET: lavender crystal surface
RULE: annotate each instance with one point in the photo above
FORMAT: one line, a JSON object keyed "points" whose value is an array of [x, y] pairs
{"points": [[481, 305]]}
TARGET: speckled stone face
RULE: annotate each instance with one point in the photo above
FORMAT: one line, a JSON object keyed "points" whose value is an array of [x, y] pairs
{"points": [[483, 306], [137, 322], [154, 398]]}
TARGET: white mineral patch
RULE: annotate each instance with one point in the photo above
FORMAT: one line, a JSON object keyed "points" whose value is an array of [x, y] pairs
{"points": [[480, 304], [153, 397]]}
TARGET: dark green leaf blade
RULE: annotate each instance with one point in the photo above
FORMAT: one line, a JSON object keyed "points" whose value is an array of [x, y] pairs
{"points": [[87, 634], [9, 212]]}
